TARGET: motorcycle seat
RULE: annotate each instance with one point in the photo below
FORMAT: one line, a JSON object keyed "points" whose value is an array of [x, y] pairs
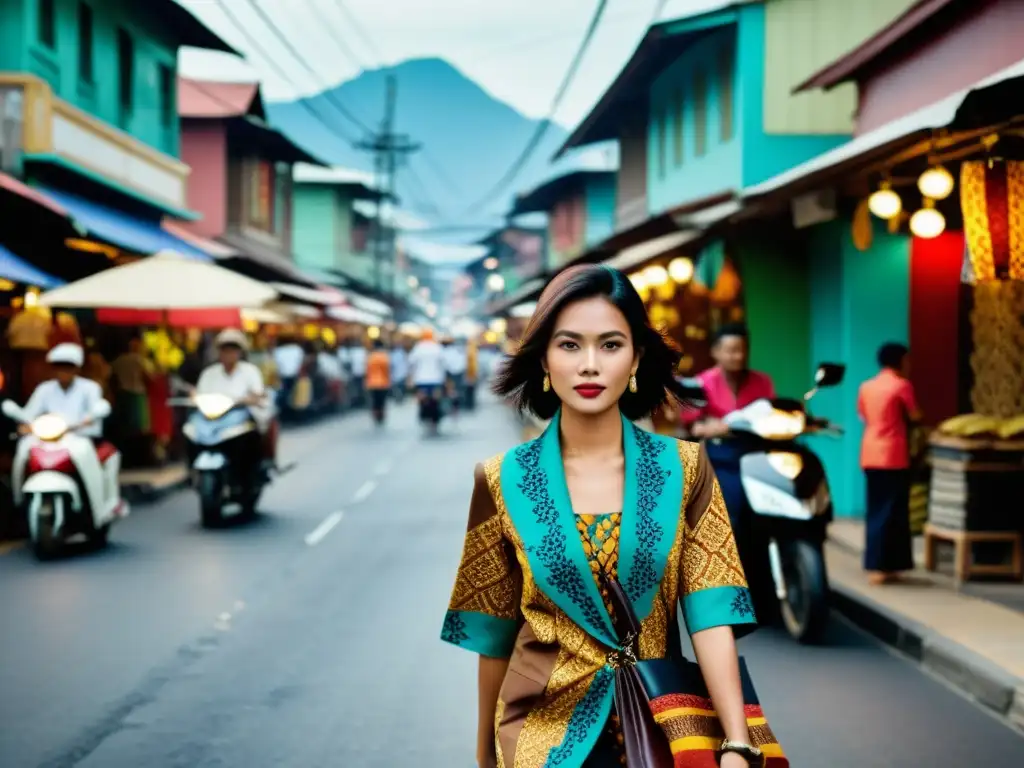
{"points": [[105, 451]]}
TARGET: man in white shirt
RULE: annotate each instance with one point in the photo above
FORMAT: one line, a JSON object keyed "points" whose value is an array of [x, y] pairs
{"points": [[428, 374], [67, 394], [399, 369], [357, 357], [242, 382]]}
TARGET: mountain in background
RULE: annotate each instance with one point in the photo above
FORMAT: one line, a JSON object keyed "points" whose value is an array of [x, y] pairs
{"points": [[469, 138]]}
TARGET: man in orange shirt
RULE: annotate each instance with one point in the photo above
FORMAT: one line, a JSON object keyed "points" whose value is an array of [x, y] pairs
{"points": [[378, 379], [887, 406]]}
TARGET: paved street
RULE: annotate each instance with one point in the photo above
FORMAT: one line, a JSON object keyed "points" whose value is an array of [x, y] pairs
{"points": [[290, 642]]}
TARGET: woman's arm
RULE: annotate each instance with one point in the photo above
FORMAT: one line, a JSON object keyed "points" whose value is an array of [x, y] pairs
{"points": [[719, 664], [491, 676]]}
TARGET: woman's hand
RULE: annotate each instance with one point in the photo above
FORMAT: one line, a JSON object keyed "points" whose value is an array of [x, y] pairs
{"points": [[734, 760]]}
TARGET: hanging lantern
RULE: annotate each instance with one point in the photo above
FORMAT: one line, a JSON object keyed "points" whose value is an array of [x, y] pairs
{"points": [[936, 183], [928, 222], [655, 276], [680, 270], [992, 197], [885, 203]]}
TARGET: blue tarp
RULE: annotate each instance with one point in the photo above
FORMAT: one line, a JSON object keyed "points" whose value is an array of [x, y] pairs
{"points": [[123, 229], [20, 271]]}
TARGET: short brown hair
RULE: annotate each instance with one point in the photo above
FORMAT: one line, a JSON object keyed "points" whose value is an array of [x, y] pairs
{"points": [[521, 377]]}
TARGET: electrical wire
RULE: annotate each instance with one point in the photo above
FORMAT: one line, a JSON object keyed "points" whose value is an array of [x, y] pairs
{"points": [[328, 94], [254, 44], [542, 127]]}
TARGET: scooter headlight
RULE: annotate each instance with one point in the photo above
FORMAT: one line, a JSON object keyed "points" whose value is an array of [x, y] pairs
{"points": [[789, 465], [781, 425], [213, 406], [49, 427]]}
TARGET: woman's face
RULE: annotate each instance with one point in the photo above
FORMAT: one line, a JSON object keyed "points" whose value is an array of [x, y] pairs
{"points": [[590, 356]]}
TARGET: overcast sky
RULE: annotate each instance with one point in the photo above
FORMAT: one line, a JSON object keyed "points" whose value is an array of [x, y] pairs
{"points": [[516, 49]]}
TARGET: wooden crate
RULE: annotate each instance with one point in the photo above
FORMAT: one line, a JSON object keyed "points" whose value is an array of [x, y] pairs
{"points": [[976, 485]]}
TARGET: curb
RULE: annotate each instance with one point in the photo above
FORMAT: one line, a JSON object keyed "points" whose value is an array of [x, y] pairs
{"points": [[980, 680]]}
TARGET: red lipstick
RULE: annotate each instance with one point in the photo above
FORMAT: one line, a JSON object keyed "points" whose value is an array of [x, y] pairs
{"points": [[589, 391]]}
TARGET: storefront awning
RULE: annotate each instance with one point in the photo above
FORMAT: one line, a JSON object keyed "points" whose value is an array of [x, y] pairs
{"points": [[881, 142], [638, 255], [122, 229], [11, 184], [20, 271], [322, 297], [526, 292]]}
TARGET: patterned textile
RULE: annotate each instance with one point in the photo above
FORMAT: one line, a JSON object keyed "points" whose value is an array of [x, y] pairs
{"points": [[695, 733], [525, 588]]}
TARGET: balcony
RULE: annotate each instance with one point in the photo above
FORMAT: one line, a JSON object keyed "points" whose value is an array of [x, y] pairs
{"points": [[50, 130]]}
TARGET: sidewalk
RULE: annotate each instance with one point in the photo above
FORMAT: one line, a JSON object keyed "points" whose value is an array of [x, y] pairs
{"points": [[972, 638]]}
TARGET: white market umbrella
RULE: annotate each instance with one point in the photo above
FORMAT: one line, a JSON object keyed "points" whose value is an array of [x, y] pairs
{"points": [[165, 281]]}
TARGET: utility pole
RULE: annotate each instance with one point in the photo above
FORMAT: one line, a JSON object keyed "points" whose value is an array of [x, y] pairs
{"points": [[389, 150]]}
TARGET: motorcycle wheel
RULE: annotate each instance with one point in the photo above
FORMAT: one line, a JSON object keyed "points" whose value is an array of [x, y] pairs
{"points": [[45, 545], [211, 499], [805, 610]]}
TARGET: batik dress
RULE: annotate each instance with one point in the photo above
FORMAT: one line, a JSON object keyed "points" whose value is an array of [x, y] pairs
{"points": [[525, 589]]}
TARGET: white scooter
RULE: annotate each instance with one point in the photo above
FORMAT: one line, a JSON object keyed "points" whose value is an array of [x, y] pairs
{"points": [[57, 479]]}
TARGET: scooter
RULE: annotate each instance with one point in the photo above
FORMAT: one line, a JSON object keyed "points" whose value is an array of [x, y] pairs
{"points": [[53, 483], [788, 492], [225, 450]]}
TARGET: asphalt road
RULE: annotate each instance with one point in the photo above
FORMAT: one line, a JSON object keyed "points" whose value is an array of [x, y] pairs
{"points": [[308, 639]]}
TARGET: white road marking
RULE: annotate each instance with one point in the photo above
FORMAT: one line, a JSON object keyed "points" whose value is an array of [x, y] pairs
{"points": [[364, 491], [317, 534]]}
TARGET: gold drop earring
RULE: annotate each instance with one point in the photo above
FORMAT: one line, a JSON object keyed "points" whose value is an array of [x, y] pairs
{"points": [[632, 383], [547, 383]]}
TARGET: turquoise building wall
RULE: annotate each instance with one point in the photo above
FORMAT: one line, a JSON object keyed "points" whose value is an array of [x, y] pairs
{"points": [[600, 209], [22, 50], [858, 301], [719, 169], [314, 226]]}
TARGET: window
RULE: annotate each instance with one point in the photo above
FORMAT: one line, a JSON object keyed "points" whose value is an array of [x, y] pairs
{"points": [[700, 114], [725, 93], [47, 23], [261, 195], [168, 102], [85, 61], [677, 135], [125, 73]]}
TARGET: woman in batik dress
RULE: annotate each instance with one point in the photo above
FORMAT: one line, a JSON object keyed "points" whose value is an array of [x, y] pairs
{"points": [[593, 494]]}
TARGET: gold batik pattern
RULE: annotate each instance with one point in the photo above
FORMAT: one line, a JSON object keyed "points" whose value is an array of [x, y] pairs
{"points": [[710, 558], [580, 656], [485, 583]]}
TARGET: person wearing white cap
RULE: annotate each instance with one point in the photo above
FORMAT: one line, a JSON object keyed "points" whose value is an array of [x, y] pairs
{"points": [[242, 381], [68, 395]]}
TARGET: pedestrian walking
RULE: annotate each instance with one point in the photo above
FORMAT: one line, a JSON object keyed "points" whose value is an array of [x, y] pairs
{"points": [[378, 380], [557, 523], [888, 407]]}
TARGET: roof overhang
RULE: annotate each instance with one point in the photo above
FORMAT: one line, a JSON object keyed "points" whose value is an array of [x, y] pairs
{"points": [[545, 196], [271, 143], [869, 52], [627, 94], [990, 101], [186, 28]]}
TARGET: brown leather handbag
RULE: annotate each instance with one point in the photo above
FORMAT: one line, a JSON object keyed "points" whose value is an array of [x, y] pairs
{"points": [[666, 714]]}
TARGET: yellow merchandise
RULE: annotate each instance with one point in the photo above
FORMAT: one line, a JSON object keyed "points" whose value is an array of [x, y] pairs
{"points": [[30, 329]]}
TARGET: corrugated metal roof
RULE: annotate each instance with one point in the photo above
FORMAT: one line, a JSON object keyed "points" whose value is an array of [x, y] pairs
{"points": [[211, 99]]}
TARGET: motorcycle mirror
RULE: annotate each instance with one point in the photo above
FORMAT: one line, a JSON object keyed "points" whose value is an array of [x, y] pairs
{"points": [[829, 375]]}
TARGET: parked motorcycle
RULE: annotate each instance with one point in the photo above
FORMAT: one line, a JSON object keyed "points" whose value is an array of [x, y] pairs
{"points": [[788, 492], [225, 450], [55, 485]]}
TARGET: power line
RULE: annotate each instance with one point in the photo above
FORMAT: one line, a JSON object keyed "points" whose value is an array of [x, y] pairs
{"points": [[329, 125], [359, 30], [543, 125], [297, 55]]}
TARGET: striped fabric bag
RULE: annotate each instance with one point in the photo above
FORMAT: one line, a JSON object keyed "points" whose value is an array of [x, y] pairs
{"points": [[664, 706], [682, 708]]}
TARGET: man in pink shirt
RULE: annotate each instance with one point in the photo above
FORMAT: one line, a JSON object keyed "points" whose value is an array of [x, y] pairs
{"points": [[887, 406], [729, 386]]}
